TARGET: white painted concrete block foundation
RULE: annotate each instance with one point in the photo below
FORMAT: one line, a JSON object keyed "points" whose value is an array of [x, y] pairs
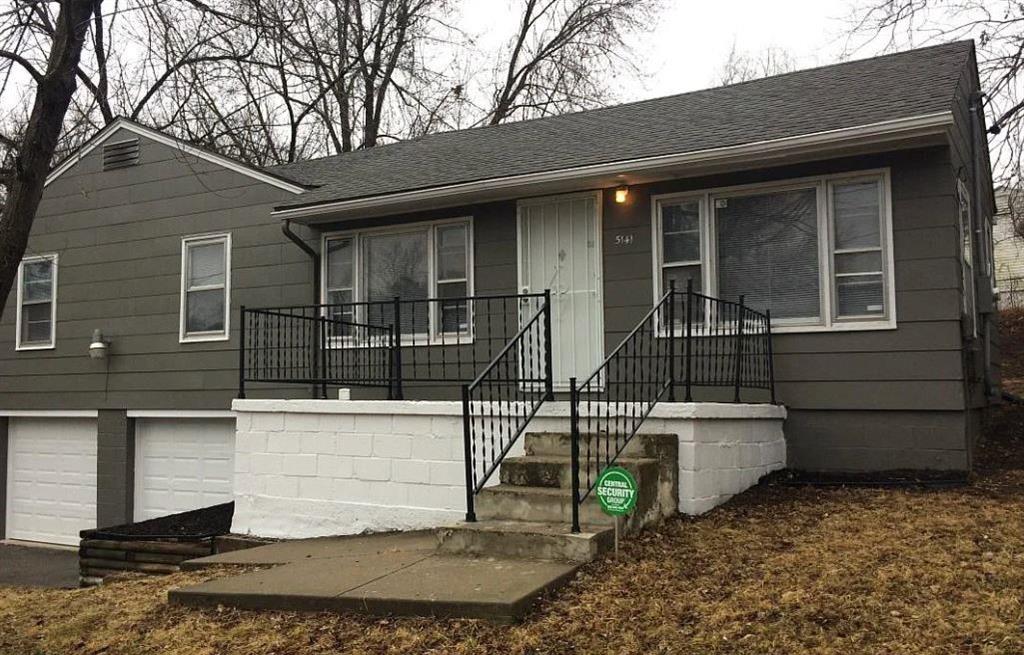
{"points": [[306, 468]]}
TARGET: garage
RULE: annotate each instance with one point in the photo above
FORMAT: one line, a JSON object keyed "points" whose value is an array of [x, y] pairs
{"points": [[182, 464], [51, 479]]}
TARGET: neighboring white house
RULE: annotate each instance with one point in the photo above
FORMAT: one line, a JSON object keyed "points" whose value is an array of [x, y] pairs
{"points": [[1009, 254]]}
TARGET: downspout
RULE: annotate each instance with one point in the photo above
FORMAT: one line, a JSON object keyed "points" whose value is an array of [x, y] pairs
{"points": [[976, 107], [286, 228]]}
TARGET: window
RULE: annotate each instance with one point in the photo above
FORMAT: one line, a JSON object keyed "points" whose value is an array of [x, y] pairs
{"points": [[37, 303], [340, 283], [966, 256], [768, 251], [452, 277], [681, 244], [205, 287], [395, 264], [857, 255], [411, 262], [815, 252]]}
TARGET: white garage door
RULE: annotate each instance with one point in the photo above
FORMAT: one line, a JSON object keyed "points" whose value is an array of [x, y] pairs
{"points": [[182, 464], [51, 479]]}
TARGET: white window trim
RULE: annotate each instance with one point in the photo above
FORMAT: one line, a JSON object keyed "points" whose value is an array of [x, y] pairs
{"points": [[204, 337], [823, 184], [419, 338], [968, 231], [52, 343]]}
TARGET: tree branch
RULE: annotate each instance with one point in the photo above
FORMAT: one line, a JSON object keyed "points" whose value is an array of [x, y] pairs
{"points": [[24, 63]]}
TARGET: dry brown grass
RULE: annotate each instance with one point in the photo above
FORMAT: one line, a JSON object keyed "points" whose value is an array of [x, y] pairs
{"points": [[778, 570], [1011, 346]]}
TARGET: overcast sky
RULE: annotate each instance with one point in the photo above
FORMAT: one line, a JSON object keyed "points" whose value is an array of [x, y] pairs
{"points": [[686, 48]]}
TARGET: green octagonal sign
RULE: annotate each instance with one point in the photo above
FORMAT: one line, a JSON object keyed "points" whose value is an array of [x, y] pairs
{"points": [[616, 491]]}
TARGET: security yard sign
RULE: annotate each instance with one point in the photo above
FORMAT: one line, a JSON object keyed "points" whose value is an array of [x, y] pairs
{"points": [[616, 491]]}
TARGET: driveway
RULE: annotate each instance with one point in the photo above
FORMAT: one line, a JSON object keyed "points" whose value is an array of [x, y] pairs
{"points": [[37, 566]]}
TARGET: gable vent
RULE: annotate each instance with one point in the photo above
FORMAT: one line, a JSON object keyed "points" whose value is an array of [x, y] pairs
{"points": [[121, 154]]}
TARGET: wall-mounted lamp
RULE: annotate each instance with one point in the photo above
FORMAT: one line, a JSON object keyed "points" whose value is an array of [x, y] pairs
{"points": [[621, 194], [98, 348]]}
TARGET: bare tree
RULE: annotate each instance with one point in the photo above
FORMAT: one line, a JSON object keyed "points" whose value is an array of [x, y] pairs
{"points": [[327, 77], [997, 26], [743, 66], [562, 54], [275, 81], [31, 153], [136, 57]]}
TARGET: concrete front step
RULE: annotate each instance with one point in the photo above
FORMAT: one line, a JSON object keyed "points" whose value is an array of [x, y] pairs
{"points": [[559, 444], [506, 502], [526, 539], [556, 471]]}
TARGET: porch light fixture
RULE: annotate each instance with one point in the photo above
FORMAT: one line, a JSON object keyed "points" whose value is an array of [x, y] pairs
{"points": [[621, 194], [98, 347]]}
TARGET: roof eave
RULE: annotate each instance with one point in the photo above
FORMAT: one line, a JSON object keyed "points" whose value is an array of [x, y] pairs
{"points": [[902, 132]]}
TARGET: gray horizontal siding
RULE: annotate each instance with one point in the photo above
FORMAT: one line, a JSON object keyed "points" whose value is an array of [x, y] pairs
{"points": [[118, 234], [120, 260], [917, 366], [961, 165], [873, 440]]}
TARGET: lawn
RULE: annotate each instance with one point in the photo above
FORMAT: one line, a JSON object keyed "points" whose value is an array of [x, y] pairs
{"points": [[777, 570]]}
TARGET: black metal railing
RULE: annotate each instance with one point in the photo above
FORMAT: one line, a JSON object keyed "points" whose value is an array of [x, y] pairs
{"points": [[299, 345], [436, 340], [688, 340], [499, 404], [722, 344]]}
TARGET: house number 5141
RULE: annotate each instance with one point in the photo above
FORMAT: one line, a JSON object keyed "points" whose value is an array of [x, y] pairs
{"points": [[623, 239]]}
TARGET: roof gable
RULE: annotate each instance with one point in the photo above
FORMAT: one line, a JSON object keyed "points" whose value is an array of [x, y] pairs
{"points": [[123, 126]]}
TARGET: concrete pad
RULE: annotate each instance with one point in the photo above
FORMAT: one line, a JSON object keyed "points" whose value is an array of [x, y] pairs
{"points": [[310, 585], [284, 552], [451, 585], [395, 574]]}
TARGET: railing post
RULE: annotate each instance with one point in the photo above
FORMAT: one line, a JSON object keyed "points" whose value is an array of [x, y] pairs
{"points": [[467, 444], [739, 349], [549, 374], [672, 341], [310, 344], [574, 440], [771, 357], [689, 340], [323, 357], [398, 349], [241, 353], [392, 341]]}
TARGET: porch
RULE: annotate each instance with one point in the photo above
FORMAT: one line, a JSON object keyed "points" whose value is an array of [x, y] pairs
{"points": [[476, 388], [308, 468]]}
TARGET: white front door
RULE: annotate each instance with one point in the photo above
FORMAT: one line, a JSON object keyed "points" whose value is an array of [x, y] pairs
{"points": [[560, 249]]}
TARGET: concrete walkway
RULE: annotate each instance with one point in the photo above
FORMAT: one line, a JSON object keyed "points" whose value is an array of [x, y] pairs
{"points": [[387, 574]]}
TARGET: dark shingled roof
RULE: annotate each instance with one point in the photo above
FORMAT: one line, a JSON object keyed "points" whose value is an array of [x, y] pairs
{"points": [[849, 94]]}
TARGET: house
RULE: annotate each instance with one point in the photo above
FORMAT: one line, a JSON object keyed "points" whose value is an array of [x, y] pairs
{"points": [[849, 206], [1008, 249]]}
